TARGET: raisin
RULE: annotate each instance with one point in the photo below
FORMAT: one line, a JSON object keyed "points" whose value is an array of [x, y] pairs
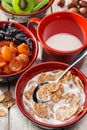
{"points": [[1, 37], [30, 44]]}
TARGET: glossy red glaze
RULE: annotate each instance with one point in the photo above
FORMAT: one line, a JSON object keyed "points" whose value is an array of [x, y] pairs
{"points": [[43, 67], [60, 22], [5, 78]]}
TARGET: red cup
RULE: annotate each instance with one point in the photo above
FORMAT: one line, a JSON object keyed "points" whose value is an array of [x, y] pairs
{"points": [[55, 23]]}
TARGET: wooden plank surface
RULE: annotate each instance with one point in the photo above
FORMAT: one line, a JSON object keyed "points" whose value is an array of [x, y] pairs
{"points": [[15, 120]]}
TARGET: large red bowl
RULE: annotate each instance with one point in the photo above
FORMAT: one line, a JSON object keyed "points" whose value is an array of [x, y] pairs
{"points": [[9, 77], [43, 67]]}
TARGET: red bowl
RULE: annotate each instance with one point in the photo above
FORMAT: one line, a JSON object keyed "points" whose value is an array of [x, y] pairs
{"points": [[22, 18], [9, 77], [43, 67]]}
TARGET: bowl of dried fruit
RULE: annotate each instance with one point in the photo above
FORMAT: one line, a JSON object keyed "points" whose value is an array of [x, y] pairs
{"points": [[21, 11], [65, 101], [18, 50]]}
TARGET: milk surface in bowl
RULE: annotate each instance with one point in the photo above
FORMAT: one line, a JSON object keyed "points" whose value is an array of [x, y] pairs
{"points": [[64, 42], [67, 98]]}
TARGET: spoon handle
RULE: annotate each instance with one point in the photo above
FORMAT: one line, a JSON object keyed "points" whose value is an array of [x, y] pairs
{"points": [[75, 61]]}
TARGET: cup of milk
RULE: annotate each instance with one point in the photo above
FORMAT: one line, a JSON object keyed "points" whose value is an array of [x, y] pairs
{"points": [[63, 35]]}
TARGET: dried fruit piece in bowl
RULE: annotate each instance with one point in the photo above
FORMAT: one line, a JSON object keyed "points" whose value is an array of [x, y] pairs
{"points": [[7, 53], [24, 49], [15, 65], [24, 59], [2, 61]]}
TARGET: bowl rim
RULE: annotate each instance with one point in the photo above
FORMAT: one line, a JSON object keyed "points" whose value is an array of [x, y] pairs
{"points": [[22, 109], [22, 27], [30, 14]]}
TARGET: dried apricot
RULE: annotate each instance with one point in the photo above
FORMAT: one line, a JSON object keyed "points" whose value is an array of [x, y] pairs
{"points": [[15, 65], [6, 69], [2, 61], [7, 53], [4, 43], [24, 49], [14, 47], [24, 59]]}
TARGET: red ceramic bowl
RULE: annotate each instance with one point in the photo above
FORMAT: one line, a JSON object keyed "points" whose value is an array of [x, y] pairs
{"points": [[43, 67], [22, 18], [6, 77]]}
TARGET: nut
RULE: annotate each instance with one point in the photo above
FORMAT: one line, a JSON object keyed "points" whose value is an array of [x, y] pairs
{"points": [[61, 3], [82, 3], [83, 10], [73, 3], [74, 9]]}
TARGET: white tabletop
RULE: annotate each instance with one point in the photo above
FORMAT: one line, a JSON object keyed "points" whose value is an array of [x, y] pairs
{"points": [[15, 120]]}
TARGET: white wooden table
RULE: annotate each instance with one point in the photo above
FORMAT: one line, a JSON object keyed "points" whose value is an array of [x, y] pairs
{"points": [[15, 120]]}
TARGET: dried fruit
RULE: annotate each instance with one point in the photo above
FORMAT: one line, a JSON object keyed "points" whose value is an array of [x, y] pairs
{"points": [[2, 61], [24, 49], [15, 65], [7, 53]]}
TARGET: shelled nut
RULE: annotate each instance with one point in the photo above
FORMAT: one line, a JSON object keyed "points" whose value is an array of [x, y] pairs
{"points": [[83, 10], [73, 3], [61, 3], [74, 9], [82, 3]]}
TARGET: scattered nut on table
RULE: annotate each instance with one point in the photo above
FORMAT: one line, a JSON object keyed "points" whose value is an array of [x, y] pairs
{"points": [[76, 6], [61, 3]]}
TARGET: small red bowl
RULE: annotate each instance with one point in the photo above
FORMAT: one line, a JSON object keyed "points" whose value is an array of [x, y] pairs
{"points": [[22, 18], [9, 77], [43, 67]]}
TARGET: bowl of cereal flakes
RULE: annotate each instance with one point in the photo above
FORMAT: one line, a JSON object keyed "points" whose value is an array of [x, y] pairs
{"points": [[67, 99], [18, 50]]}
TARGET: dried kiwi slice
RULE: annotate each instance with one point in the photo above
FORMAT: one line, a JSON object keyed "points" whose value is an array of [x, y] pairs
{"points": [[23, 6], [7, 6]]}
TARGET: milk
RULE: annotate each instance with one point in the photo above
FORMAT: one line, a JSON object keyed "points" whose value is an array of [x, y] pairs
{"points": [[52, 120], [64, 42]]}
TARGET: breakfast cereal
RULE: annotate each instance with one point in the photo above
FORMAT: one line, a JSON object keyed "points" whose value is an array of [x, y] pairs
{"points": [[2, 112], [66, 97], [2, 97], [6, 101], [9, 103]]}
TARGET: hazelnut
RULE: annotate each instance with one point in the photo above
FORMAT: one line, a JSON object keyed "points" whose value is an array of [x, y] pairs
{"points": [[82, 3], [76, 2], [83, 10], [61, 3], [71, 5], [74, 9]]}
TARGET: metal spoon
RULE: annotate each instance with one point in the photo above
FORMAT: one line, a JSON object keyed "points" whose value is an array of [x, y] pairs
{"points": [[75, 61]]}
